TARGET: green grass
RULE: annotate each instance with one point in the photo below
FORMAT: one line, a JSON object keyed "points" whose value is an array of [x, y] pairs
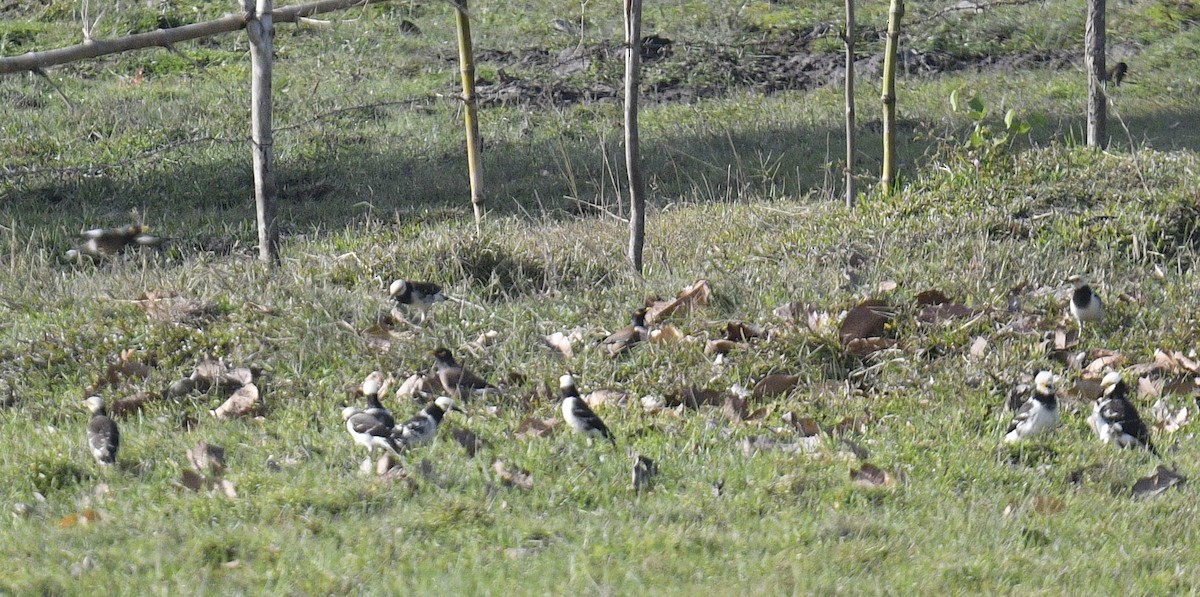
{"points": [[743, 190]]}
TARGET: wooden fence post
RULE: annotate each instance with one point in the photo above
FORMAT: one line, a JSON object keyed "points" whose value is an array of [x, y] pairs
{"points": [[633, 159], [262, 32], [466, 66], [1094, 64]]}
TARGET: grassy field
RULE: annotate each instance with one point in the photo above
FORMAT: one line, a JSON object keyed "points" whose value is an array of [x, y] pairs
{"points": [[744, 177]]}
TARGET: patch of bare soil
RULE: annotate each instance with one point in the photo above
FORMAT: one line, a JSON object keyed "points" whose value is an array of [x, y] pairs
{"points": [[687, 71]]}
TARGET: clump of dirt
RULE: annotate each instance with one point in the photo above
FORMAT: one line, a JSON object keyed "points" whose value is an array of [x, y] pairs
{"points": [[675, 71]]}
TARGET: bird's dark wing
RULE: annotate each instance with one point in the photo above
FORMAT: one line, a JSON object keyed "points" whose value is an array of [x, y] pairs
{"points": [[1023, 413], [370, 425]]}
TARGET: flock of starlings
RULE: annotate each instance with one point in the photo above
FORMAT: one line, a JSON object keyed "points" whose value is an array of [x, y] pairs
{"points": [[1114, 419]]}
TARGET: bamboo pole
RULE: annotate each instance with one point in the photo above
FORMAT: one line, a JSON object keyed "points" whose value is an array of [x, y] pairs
{"points": [[261, 31], [849, 41], [32, 61], [1094, 64], [633, 160], [466, 65], [888, 179]]}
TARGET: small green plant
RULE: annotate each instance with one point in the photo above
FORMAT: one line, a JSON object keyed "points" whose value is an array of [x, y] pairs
{"points": [[987, 143]]}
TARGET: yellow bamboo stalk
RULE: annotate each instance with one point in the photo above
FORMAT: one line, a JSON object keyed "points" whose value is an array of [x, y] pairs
{"points": [[466, 65]]}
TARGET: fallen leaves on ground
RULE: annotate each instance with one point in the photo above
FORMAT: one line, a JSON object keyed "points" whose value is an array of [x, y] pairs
{"points": [[804, 426], [775, 384], [533, 427], [1165, 418], [564, 343], [207, 458], [512, 476], [468, 440], [131, 404], [689, 299], [866, 320], [804, 445], [81, 518], [243, 402], [127, 367]]}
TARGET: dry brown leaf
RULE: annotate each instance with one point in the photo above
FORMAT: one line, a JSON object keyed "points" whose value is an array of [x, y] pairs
{"points": [[131, 404], [719, 346], [867, 320], [207, 459], [82, 518], [737, 331], [1104, 361], [207, 373], [1165, 418], [888, 285], [693, 397], [560, 342], [417, 384], [931, 297], [1086, 390], [869, 475], [1180, 385], [227, 488], [666, 333], [512, 476], [1162, 480], [775, 384], [805, 426], [602, 397], [532, 427], [237, 377], [697, 295], [934, 314], [979, 347], [864, 347], [380, 337], [851, 425], [243, 402], [1147, 388]]}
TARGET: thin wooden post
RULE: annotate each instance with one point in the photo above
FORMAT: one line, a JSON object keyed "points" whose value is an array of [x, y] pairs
{"points": [[849, 40], [633, 160], [1094, 64], [262, 32], [466, 66], [888, 179]]}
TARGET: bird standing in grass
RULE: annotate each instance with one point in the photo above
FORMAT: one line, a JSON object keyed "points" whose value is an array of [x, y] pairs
{"points": [[1085, 303], [422, 428], [416, 295], [375, 408], [455, 378], [1039, 414], [369, 431], [1114, 418], [101, 243], [103, 437], [578, 414], [624, 339]]}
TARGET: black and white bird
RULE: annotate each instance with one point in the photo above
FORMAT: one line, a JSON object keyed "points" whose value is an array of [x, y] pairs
{"points": [[1114, 418], [457, 380], [1039, 414], [101, 243], [375, 408], [103, 437], [1085, 303], [369, 431], [627, 337], [416, 295], [422, 428], [578, 414]]}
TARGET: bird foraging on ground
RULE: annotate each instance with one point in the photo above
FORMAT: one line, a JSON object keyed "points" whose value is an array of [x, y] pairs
{"points": [[1114, 418], [644, 470], [578, 414], [103, 437], [416, 295], [369, 431], [422, 428], [1085, 303], [624, 339], [375, 408], [1039, 414], [457, 380], [102, 243]]}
